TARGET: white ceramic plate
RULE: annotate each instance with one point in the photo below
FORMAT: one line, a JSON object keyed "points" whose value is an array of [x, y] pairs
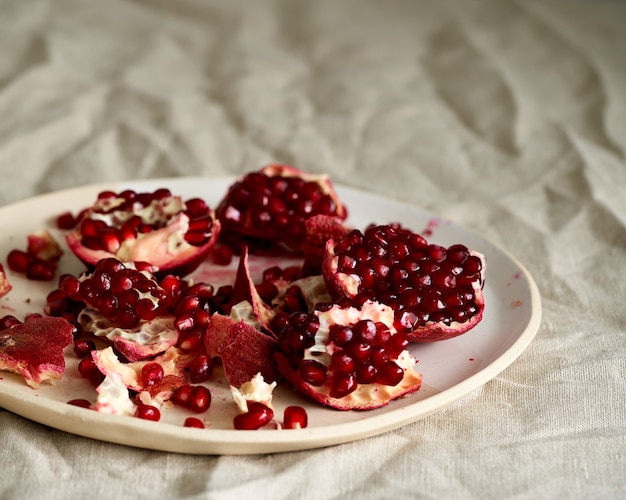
{"points": [[451, 369]]}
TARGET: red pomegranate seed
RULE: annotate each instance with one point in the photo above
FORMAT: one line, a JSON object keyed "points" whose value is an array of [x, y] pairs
{"points": [[343, 385], [148, 412], [151, 374], [194, 422], [312, 372], [191, 340], [88, 369], [295, 417], [200, 399], [390, 374], [201, 369], [82, 403], [256, 417], [18, 260], [66, 221], [182, 396], [9, 321], [83, 347], [221, 255]]}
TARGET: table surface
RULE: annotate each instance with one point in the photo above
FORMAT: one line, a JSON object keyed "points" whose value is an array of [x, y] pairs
{"points": [[507, 117]]}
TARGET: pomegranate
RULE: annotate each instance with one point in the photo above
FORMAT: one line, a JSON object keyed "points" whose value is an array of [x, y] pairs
{"points": [[34, 348], [347, 358], [436, 292], [173, 235], [267, 210], [5, 286]]}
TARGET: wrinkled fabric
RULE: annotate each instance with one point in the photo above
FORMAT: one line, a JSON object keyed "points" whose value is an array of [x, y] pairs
{"points": [[506, 117]]}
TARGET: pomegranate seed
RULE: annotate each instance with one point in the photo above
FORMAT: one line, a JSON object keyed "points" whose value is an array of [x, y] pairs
{"points": [[18, 260], [9, 321], [82, 403], [257, 416], [148, 412], [340, 335], [182, 396], [312, 372], [66, 221], [70, 286], [342, 363], [200, 399], [367, 374], [194, 422], [88, 369], [390, 374], [201, 369], [151, 374], [343, 385], [83, 347], [295, 417], [191, 340]]}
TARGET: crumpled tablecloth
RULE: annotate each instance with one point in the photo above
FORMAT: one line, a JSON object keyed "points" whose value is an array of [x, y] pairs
{"points": [[506, 117]]}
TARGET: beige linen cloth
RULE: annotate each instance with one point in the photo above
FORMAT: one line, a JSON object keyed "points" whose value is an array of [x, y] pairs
{"points": [[507, 117]]}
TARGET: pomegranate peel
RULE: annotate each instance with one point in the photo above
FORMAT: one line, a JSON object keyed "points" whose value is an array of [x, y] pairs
{"points": [[320, 229], [172, 361], [244, 350], [144, 341], [254, 310], [34, 349]]}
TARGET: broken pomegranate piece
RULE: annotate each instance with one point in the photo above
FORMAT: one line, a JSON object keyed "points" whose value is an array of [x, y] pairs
{"points": [[34, 349], [347, 358], [436, 292], [40, 259], [243, 349], [173, 235], [267, 210]]}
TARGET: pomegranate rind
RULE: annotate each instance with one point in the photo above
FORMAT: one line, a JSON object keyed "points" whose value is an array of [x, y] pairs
{"points": [[319, 230], [365, 397], [243, 349], [146, 340], [34, 349], [174, 362], [244, 291], [5, 285], [164, 248]]}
